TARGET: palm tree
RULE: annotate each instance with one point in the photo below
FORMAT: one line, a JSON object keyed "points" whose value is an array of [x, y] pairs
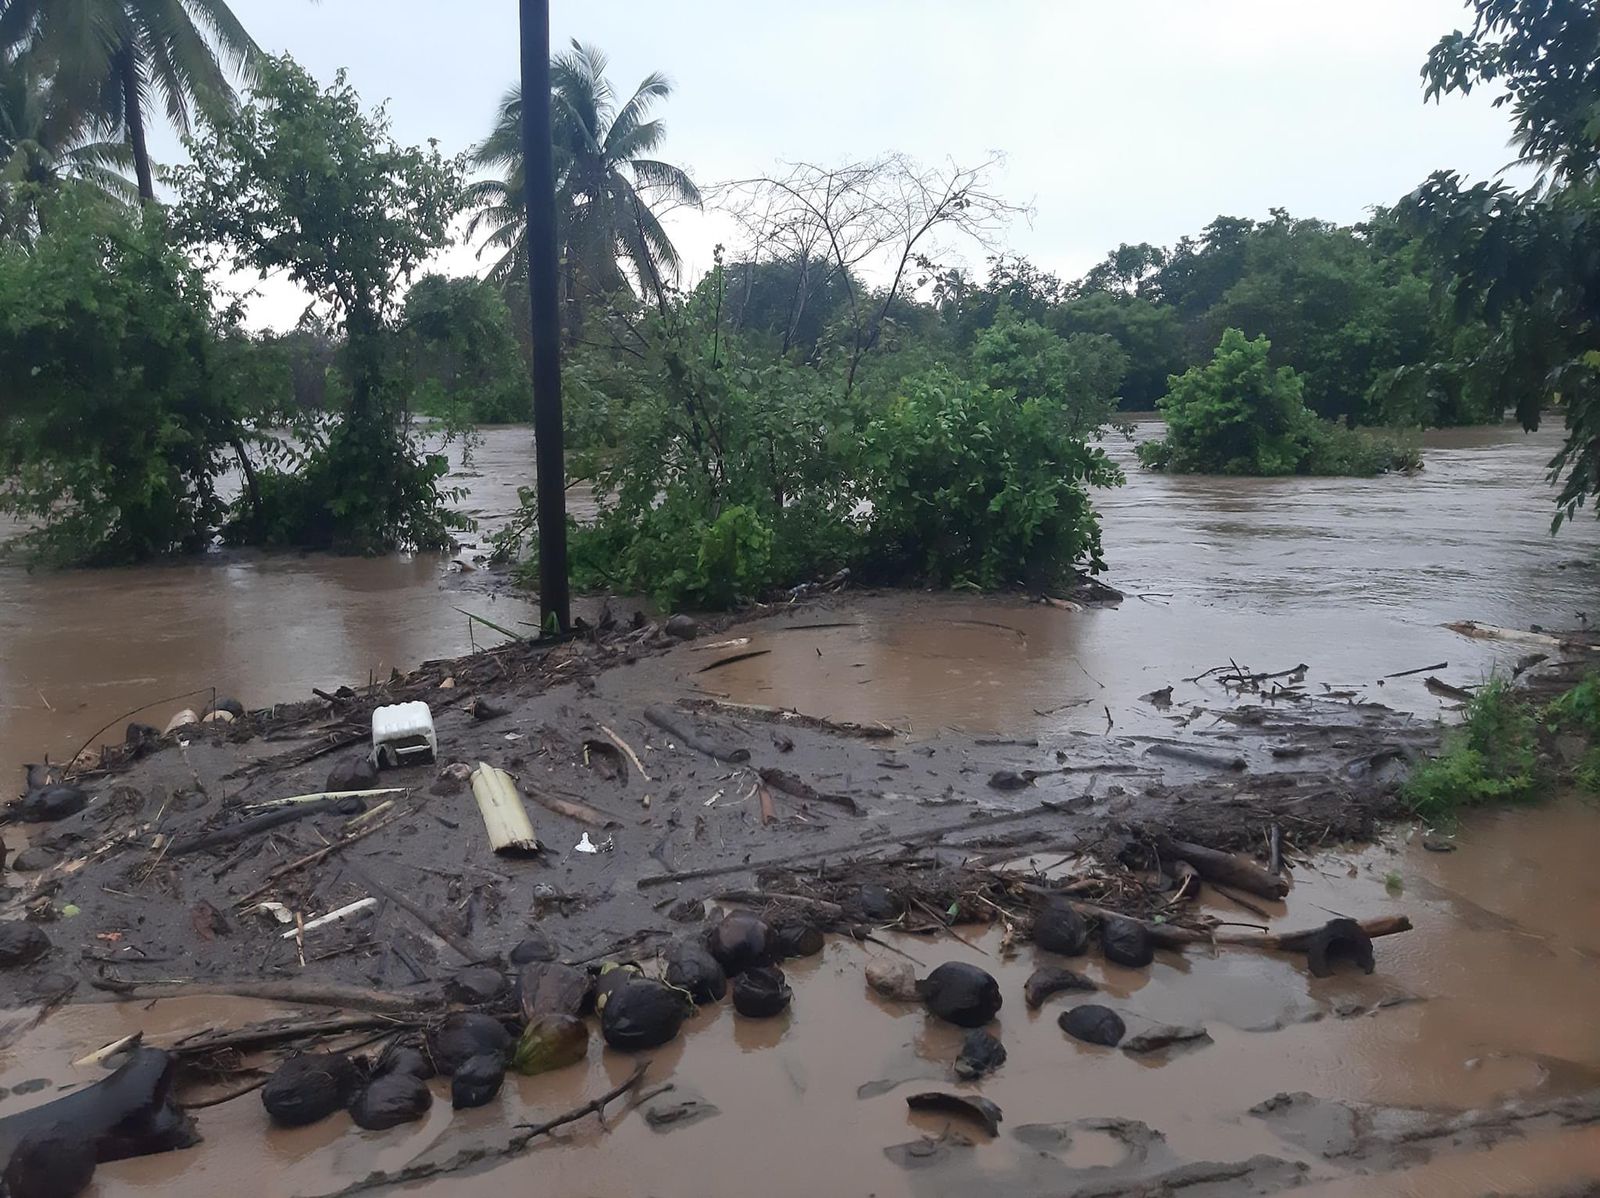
{"points": [[606, 183], [46, 144], [112, 58]]}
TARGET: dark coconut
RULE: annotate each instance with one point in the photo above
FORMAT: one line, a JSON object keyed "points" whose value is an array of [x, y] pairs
{"points": [[876, 904], [761, 993], [1126, 942], [309, 1088], [51, 1162], [475, 985], [1057, 928], [477, 1081], [741, 941], [642, 1013], [962, 994], [1048, 980], [21, 943], [391, 1100], [404, 1058], [981, 1054], [50, 803], [465, 1035], [1093, 1024], [692, 967], [1339, 940], [796, 939]]}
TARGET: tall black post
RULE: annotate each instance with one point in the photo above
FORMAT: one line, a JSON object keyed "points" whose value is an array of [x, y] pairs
{"points": [[554, 599]]}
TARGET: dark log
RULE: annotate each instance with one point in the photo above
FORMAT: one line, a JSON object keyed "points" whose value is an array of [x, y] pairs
{"points": [[1231, 869]]}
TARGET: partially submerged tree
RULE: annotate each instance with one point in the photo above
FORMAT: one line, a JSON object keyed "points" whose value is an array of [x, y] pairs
{"points": [[111, 59], [114, 422], [303, 181]]}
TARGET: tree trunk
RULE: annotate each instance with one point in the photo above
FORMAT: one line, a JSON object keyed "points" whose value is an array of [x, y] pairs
{"points": [[134, 115]]}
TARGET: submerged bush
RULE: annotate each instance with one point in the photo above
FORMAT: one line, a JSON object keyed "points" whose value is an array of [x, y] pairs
{"points": [[1237, 414], [1492, 757], [971, 486]]}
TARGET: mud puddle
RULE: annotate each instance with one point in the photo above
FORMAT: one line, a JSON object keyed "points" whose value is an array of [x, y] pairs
{"points": [[1490, 999]]}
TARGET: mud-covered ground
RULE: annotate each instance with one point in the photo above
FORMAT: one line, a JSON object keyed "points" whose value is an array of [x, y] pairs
{"points": [[1219, 762]]}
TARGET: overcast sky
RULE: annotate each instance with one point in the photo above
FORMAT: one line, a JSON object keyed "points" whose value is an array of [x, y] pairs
{"points": [[1120, 120]]}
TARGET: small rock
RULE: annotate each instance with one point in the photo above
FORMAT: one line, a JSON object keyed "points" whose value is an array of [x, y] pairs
{"points": [[475, 985], [1436, 845], [1164, 1035], [477, 1081], [1048, 980], [1058, 928], [21, 943], [390, 1100], [453, 779], [981, 1053], [53, 1162], [33, 859], [1009, 780], [482, 710], [353, 773], [1125, 942], [677, 1108], [894, 980], [682, 627], [1093, 1024], [535, 947]]}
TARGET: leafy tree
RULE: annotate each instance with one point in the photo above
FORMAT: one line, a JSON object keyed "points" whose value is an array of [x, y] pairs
{"points": [[110, 58], [1529, 261], [1150, 335], [1079, 373], [461, 353], [113, 420], [303, 181], [608, 183], [1237, 414], [45, 143]]}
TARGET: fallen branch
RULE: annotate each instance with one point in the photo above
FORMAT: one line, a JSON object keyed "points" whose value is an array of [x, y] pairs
{"points": [[313, 858], [1491, 632], [761, 898], [800, 789], [1441, 665], [417, 912], [728, 661], [293, 991], [665, 721], [787, 715], [628, 749], [1231, 869], [573, 809], [467, 1157], [232, 833], [1443, 689]]}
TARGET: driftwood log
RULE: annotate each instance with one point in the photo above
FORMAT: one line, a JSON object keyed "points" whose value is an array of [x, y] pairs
{"points": [[1230, 869]]}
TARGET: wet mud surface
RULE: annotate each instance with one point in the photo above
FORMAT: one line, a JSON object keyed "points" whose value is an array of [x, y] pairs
{"points": [[1032, 739]]}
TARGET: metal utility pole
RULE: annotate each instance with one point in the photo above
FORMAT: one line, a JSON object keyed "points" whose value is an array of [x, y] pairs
{"points": [[549, 458]]}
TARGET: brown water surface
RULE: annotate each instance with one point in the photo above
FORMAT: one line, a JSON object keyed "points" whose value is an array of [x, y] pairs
{"points": [[1353, 577]]}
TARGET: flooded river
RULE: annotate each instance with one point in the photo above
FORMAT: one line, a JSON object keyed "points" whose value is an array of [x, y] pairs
{"points": [[1498, 984]]}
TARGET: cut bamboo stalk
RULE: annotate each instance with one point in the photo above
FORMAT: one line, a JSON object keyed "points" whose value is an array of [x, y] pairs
{"points": [[344, 912], [504, 816]]}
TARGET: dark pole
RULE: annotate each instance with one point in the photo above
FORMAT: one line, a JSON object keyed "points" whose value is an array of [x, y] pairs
{"points": [[554, 600]]}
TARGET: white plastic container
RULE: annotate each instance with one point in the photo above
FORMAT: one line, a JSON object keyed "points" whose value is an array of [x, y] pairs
{"points": [[402, 734]]}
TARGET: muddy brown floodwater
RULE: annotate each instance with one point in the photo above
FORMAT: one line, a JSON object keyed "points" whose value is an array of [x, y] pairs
{"points": [[1492, 997]]}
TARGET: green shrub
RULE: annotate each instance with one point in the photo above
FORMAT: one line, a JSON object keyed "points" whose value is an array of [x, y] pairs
{"points": [[1492, 757], [1238, 415], [973, 487]]}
